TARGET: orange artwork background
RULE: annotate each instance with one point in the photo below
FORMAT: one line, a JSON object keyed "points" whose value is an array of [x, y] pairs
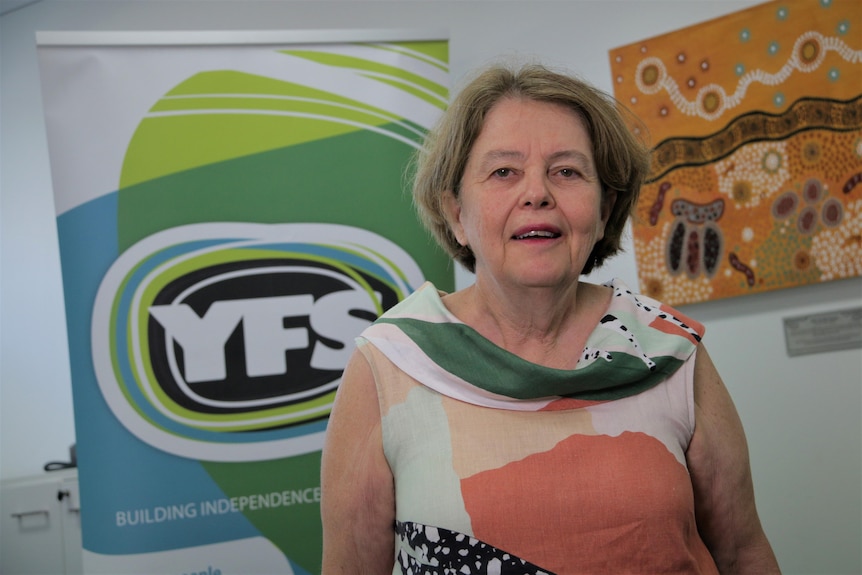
{"points": [[756, 123]]}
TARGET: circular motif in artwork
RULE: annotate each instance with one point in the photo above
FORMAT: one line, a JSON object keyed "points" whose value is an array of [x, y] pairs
{"points": [[711, 101], [832, 213], [810, 152], [807, 220], [784, 205], [808, 51], [650, 75], [802, 260], [812, 191]]}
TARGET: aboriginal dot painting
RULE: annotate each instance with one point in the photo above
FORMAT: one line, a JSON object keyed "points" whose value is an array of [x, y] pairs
{"points": [[756, 123]]}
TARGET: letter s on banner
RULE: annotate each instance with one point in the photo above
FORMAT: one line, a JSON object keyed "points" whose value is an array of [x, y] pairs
{"points": [[221, 341]]}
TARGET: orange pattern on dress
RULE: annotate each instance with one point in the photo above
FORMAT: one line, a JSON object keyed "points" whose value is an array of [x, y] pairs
{"points": [[603, 493]]}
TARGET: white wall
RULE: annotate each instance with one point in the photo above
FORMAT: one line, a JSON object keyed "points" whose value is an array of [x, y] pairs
{"points": [[802, 414]]}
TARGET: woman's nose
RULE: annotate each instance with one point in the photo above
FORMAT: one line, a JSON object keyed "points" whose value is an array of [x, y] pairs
{"points": [[536, 193]]}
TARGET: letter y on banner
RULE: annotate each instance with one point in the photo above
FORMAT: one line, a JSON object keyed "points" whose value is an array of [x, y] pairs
{"points": [[231, 214]]}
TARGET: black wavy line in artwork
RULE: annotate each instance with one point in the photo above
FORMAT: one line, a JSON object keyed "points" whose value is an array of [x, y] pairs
{"points": [[805, 114], [655, 209], [852, 182], [737, 264]]}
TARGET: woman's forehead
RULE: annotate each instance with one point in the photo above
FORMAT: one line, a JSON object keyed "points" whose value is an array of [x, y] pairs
{"points": [[512, 123]]}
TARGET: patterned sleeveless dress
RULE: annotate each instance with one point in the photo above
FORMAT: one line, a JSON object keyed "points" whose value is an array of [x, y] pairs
{"points": [[502, 466]]}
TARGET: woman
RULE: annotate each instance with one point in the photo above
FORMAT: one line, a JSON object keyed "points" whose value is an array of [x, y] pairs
{"points": [[533, 423]]}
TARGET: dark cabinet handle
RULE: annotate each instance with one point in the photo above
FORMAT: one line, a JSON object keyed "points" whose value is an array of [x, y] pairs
{"points": [[29, 513]]}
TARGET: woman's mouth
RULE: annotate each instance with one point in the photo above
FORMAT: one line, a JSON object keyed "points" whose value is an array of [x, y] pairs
{"points": [[536, 234]]}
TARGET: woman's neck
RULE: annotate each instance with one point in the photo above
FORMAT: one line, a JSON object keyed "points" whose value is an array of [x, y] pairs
{"points": [[548, 326]]}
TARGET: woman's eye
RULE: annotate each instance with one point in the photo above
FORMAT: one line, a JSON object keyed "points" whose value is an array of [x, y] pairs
{"points": [[503, 172], [567, 172]]}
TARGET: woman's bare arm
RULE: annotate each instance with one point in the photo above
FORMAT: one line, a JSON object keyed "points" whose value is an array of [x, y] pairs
{"points": [[358, 501], [721, 476]]}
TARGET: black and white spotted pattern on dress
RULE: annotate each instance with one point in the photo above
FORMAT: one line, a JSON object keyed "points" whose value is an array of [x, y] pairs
{"points": [[438, 551]]}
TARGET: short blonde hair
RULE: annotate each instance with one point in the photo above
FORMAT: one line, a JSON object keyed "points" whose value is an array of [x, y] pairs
{"points": [[622, 160]]}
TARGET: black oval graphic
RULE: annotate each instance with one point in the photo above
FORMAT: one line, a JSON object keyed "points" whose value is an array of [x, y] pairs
{"points": [[247, 336]]}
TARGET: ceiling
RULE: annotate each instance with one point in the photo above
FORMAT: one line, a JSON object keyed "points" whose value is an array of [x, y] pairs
{"points": [[7, 6]]}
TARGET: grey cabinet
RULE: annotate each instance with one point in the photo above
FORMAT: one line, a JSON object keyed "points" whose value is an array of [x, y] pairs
{"points": [[40, 525]]}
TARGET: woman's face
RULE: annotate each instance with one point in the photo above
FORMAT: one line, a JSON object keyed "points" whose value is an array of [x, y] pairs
{"points": [[530, 205]]}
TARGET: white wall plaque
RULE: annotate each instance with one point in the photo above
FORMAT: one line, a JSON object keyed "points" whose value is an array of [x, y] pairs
{"points": [[827, 331]]}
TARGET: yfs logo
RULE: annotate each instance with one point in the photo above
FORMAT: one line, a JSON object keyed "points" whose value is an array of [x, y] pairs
{"points": [[226, 341]]}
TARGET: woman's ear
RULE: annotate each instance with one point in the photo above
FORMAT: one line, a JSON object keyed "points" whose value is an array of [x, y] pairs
{"points": [[452, 213]]}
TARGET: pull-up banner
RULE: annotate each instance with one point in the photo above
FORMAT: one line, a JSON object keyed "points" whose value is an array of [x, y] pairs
{"points": [[231, 214]]}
